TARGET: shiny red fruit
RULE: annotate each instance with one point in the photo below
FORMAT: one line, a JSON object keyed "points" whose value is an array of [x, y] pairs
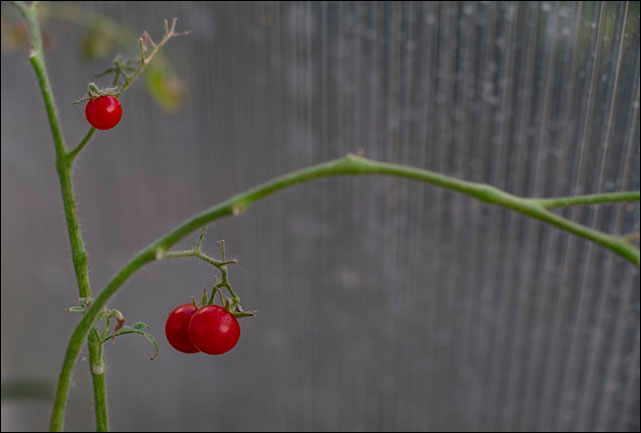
{"points": [[176, 328], [103, 112], [213, 330]]}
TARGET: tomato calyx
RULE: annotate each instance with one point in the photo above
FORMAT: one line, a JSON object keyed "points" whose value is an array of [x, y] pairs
{"points": [[232, 307], [96, 92]]}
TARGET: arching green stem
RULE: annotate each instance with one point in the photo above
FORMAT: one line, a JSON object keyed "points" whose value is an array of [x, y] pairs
{"points": [[349, 165]]}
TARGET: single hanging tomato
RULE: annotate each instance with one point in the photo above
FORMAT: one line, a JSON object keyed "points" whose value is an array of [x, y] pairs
{"points": [[103, 112], [176, 328], [214, 330]]}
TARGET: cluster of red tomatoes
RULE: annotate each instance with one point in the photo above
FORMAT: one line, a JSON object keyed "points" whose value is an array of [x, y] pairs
{"points": [[210, 329]]}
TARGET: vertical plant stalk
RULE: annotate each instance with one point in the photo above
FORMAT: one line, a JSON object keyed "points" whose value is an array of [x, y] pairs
{"points": [[98, 366], [64, 161]]}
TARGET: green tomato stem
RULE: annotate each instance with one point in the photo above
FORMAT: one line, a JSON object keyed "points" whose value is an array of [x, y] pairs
{"points": [[221, 265], [64, 161], [82, 144], [610, 197], [98, 367]]}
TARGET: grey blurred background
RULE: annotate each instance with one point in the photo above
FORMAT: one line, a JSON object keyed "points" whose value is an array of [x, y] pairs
{"points": [[384, 304]]}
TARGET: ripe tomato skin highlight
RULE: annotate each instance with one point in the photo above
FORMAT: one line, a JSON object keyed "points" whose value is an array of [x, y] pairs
{"points": [[103, 112], [176, 328], [213, 330]]}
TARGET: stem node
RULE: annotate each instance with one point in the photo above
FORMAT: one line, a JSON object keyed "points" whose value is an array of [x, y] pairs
{"points": [[98, 369]]}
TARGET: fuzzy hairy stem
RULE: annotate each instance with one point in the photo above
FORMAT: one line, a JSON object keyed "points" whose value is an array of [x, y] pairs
{"points": [[98, 366], [64, 161], [610, 197], [82, 144]]}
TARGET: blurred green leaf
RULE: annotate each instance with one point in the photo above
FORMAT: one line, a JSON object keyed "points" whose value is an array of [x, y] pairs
{"points": [[15, 34], [98, 43], [164, 87]]}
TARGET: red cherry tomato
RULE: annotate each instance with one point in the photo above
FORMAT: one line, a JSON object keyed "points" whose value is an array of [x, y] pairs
{"points": [[213, 330], [176, 328], [103, 112]]}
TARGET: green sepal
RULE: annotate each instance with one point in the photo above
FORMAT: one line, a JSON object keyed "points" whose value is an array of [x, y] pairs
{"points": [[241, 314], [203, 299]]}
